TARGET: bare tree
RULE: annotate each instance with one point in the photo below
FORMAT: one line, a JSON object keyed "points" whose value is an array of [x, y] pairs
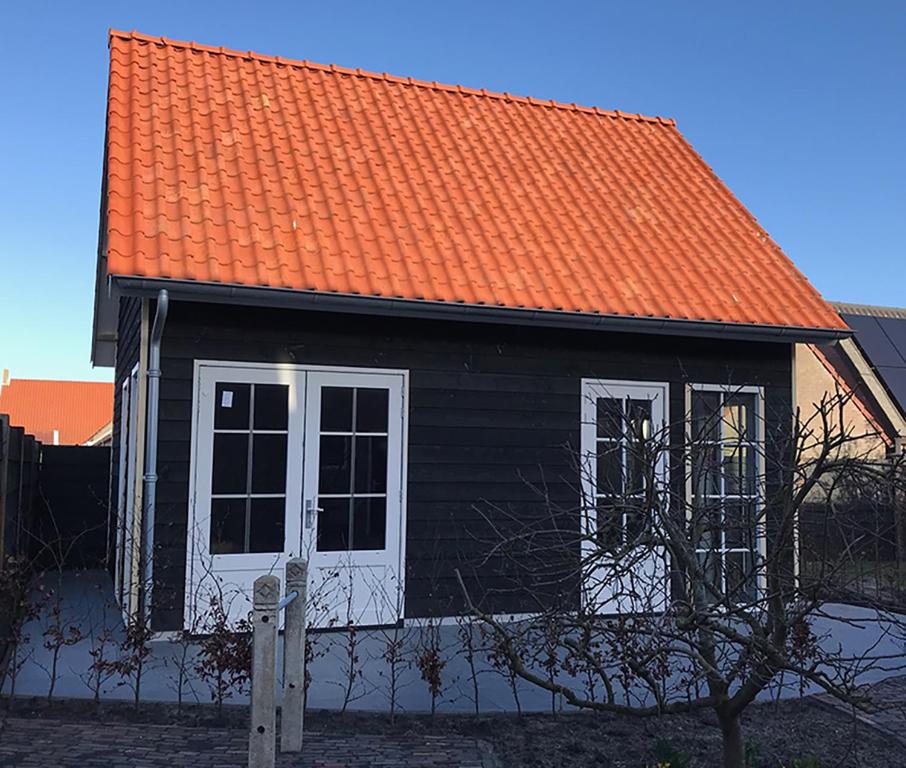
{"points": [[681, 581]]}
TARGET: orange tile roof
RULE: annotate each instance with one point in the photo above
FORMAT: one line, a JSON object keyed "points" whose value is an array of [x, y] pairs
{"points": [[76, 409], [236, 168]]}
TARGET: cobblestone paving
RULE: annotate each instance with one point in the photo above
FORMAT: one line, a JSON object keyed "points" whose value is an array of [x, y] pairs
{"points": [[888, 710], [57, 744]]}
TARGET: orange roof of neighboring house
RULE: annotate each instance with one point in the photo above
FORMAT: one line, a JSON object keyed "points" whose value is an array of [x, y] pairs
{"points": [[75, 409], [235, 168]]}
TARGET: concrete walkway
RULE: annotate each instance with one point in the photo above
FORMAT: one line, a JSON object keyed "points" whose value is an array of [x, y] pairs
{"points": [[888, 707], [47, 742]]}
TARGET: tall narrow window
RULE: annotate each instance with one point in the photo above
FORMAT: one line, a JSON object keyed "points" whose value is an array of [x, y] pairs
{"points": [[621, 435], [248, 474], [726, 469]]}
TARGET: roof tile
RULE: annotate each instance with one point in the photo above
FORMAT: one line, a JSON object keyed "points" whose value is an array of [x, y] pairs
{"points": [[233, 167], [76, 410]]}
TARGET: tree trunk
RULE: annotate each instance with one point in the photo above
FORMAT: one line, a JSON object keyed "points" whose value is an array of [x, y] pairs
{"points": [[731, 728]]}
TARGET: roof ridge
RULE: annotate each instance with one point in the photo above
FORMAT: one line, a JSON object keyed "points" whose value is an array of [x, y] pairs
{"points": [[869, 310], [431, 85]]}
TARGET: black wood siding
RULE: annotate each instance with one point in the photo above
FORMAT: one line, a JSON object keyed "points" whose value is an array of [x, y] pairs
{"points": [[491, 410], [128, 349]]}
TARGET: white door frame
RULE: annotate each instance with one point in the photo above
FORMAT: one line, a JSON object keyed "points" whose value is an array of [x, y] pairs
{"points": [[372, 574], [658, 393], [198, 558]]}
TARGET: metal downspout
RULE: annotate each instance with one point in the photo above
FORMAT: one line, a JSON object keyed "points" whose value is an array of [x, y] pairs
{"points": [[150, 476]]}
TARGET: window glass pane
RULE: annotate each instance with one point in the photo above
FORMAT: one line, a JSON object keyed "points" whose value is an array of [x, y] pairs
{"points": [[369, 518], [266, 525], [741, 579], [370, 464], [230, 463], [739, 526], [333, 525], [635, 522], [231, 406], [639, 420], [371, 410], [336, 409], [712, 564], [706, 415], [268, 463], [610, 469], [706, 470], [739, 470], [227, 526], [335, 470], [610, 418], [610, 526], [739, 417], [271, 406], [705, 525]]}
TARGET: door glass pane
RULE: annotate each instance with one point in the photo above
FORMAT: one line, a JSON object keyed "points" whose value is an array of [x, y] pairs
{"points": [[230, 463], [269, 463], [739, 470], [333, 525], [370, 464], [739, 526], [706, 416], [227, 526], [610, 526], [741, 577], [610, 418], [739, 417], [335, 464], [271, 406], [266, 525], [369, 518], [371, 410], [610, 469], [231, 406], [336, 409]]}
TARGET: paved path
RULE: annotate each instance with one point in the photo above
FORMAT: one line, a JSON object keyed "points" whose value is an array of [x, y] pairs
{"points": [[888, 707], [59, 744]]}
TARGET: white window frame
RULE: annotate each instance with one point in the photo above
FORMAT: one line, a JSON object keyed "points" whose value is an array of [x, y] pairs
{"points": [[759, 521], [591, 390]]}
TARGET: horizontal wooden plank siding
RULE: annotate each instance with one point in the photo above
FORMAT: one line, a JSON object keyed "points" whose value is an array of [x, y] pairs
{"points": [[493, 420]]}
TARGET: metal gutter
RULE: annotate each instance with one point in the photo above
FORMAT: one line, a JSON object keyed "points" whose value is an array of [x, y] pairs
{"points": [[284, 298], [150, 475]]}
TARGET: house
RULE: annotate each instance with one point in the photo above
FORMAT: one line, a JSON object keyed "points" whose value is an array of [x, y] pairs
{"points": [[357, 315], [868, 369], [59, 412]]}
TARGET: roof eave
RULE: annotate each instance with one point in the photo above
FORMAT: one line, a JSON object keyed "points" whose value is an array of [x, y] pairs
{"points": [[188, 290]]}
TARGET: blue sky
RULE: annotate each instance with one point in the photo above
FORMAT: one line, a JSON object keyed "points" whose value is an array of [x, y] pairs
{"points": [[799, 106]]}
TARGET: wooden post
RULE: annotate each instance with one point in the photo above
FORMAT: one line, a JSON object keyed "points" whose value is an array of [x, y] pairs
{"points": [[263, 721], [294, 658]]}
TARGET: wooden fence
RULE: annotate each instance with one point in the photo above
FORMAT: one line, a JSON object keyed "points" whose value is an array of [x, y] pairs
{"points": [[20, 460]]}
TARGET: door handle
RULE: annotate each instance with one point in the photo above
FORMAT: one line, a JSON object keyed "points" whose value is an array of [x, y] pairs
{"points": [[310, 509]]}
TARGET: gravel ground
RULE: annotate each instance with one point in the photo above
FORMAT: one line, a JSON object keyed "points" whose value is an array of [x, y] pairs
{"points": [[776, 733]]}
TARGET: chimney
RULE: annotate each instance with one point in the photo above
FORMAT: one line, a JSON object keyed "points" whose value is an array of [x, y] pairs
{"points": [[5, 381]]}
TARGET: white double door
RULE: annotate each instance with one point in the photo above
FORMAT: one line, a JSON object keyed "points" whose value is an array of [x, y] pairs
{"points": [[294, 461]]}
